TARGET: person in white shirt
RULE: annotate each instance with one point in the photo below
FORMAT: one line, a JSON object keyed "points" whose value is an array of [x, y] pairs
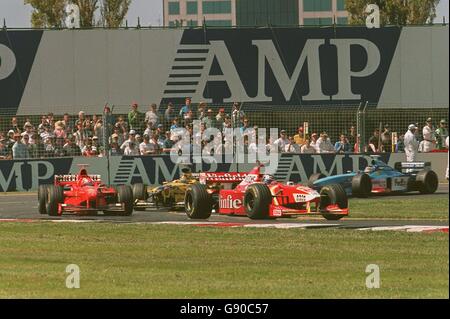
{"points": [[282, 141], [429, 140], [131, 149], [411, 143], [131, 138], [324, 144], [147, 148], [307, 148], [313, 143], [292, 147]]}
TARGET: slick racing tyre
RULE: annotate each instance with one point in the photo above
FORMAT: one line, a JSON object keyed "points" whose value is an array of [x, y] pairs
{"points": [[125, 196], [333, 194], [257, 200], [197, 202], [55, 196], [361, 185], [140, 191], [427, 181], [42, 198], [313, 178]]}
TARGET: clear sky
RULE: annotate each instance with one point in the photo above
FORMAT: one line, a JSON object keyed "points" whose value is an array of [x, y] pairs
{"points": [[150, 12]]}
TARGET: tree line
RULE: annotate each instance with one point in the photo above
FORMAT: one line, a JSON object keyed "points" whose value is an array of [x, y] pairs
{"points": [[51, 13]]}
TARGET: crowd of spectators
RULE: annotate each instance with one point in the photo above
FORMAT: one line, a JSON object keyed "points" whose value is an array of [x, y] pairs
{"points": [[160, 131]]}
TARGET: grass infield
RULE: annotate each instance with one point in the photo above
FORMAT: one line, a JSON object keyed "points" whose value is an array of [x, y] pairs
{"points": [[169, 261], [411, 206]]}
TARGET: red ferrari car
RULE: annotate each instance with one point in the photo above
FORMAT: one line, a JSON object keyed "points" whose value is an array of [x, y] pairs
{"points": [[83, 193], [259, 196]]}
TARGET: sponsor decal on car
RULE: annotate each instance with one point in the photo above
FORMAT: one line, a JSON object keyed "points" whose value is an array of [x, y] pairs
{"points": [[229, 202]]}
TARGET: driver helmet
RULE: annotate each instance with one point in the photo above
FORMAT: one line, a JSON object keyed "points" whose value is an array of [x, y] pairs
{"points": [[369, 169], [85, 181], [268, 179]]}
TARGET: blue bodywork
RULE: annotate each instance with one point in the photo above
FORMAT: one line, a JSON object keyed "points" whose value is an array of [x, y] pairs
{"points": [[384, 179]]}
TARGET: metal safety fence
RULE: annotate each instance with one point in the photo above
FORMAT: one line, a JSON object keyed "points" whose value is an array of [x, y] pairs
{"points": [[102, 131]]}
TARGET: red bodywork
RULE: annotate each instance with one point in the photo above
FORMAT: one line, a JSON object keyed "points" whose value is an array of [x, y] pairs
{"points": [[287, 199], [86, 193]]}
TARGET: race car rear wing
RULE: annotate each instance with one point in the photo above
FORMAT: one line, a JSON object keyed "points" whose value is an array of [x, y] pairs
{"points": [[411, 166], [205, 178], [70, 178]]}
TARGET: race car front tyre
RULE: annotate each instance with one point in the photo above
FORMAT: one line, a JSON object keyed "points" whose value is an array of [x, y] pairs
{"points": [[427, 181], [55, 196], [257, 200], [333, 194], [125, 196], [139, 191], [197, 202], [361, 185], [42, 199], [313, 178]]}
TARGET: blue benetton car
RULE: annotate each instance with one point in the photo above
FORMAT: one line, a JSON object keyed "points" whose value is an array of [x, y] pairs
{"points": [[378, 177]]}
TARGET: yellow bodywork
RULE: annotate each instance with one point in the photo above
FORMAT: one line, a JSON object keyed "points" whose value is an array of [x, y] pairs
{"points": [[171, 193]]}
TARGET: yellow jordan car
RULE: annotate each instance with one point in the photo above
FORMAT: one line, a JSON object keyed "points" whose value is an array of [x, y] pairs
{"points": [[170, 194]]}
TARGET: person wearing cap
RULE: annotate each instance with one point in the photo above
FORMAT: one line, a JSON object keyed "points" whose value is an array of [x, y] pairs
{"points": [[299, 138], [134, 117], [324, 144], [131, 149], [131, 138], [10, 138], [314, 139], [429, 140], [411, 143], [19, 150], [441, 134], [282, 141]]}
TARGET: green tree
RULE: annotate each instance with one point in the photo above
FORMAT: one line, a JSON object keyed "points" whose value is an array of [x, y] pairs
{"points": [[50, 13], [114, 11], [47, 13], [394, 12], [87, 12]]}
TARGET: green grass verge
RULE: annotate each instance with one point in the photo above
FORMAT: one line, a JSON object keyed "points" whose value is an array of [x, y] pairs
{"points": [[401, 207], [167, 261]]}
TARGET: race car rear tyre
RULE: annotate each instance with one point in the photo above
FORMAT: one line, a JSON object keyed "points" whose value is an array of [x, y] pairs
{"points": [[197, 202], [313, 178], [55, 196], [333, 194], [257, 200], [125, 196], [42, 198], [361, 185], [427, 181], [140, 191]]}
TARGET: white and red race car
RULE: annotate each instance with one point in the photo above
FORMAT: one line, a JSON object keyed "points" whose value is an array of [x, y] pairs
{"points": [[259, 196]]}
